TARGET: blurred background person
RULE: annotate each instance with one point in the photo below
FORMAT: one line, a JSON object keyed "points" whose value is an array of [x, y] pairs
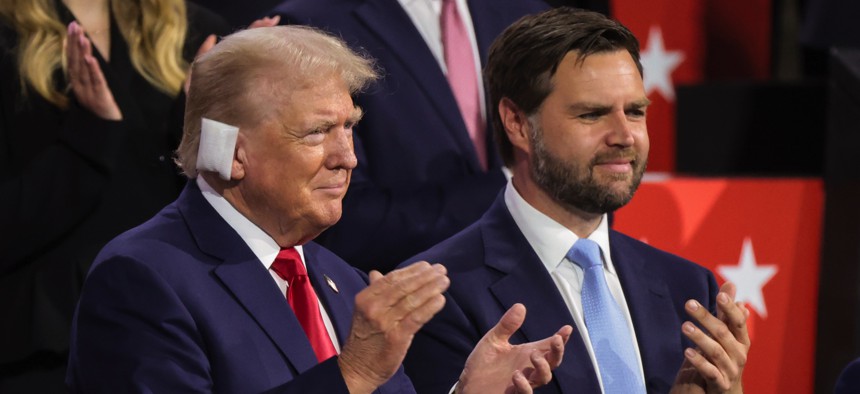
{"points": [[427, 167], [91, 108]]}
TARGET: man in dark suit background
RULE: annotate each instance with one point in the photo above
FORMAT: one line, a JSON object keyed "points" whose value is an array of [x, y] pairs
{"points": [[224, 291], [420, 177], [569, 111]]}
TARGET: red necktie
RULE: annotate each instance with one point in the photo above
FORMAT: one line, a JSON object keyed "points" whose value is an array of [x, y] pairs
{"points": [[300, 294], [462, 75]]}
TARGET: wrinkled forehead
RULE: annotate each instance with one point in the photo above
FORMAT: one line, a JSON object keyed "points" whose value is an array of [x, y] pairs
{"points": [[304, 99]]}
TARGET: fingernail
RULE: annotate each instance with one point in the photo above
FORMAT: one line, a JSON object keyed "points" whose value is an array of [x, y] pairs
{"points": [[688, 327], [722, 298], [690, 353], [693, 305]]}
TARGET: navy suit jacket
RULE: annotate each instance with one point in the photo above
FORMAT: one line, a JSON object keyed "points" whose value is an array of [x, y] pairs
{"points": [[181, 304], [418, 179], [849, 379], [492, 266]]}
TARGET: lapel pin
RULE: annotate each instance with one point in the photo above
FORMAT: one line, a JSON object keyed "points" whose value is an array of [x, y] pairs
{"points": [[331, 283]]}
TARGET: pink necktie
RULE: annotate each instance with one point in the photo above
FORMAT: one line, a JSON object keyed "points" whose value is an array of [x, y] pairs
{"points": [[300, 294], [462, 76]]}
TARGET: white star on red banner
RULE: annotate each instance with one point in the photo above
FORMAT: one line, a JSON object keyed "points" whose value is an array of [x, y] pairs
{"points": [[749, 278], [659, 65]]}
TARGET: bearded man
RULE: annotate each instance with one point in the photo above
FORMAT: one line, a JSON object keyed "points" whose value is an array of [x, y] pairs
{"points": [[569, 109]]}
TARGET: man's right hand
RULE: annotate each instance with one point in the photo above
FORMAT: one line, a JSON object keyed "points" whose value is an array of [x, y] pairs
{"points": [[496, 366], [387, 315]]}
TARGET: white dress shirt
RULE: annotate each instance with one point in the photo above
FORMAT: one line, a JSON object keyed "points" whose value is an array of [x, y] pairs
{"points": [[263, 246], [425, 15], [551, 241]]}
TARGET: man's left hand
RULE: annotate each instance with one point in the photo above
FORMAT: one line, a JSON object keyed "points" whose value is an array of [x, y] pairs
{"points": [[717, 365]]}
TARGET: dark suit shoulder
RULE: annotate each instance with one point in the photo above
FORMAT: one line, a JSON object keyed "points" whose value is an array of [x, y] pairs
{"points": [[455, 253], [656, 258], [849, 379], [159, 242]]}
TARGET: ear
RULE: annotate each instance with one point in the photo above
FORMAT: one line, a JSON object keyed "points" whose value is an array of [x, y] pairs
{"points": [[240, 158], [516, 124]]}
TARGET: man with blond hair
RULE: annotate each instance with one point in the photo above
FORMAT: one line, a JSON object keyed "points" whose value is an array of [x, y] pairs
{"points": [[224, 290]]}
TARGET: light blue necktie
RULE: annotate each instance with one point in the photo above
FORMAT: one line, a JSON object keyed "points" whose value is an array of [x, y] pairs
{"points": [[607, 328]]}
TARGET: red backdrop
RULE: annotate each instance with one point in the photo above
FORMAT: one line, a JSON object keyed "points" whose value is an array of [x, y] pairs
{"points": [[686, 42], [764, 234]]}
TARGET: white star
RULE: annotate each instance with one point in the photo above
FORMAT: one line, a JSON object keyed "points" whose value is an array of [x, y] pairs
{"points": [[749, 278], [659, 65]]}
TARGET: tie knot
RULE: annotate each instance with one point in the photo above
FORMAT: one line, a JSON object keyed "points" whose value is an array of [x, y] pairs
{"points": [[288, 265], [585, 253]]}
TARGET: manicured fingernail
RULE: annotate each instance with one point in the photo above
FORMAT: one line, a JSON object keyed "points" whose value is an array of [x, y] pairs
{"points": [[723, 298], [690, 353], [688, 327], [693, 305]]}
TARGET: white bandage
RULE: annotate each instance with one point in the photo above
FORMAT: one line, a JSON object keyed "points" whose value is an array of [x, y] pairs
{"points": [[217, 144]]}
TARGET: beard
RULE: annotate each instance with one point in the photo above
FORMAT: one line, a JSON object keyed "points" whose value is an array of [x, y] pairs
{"points": [[575, 186]]}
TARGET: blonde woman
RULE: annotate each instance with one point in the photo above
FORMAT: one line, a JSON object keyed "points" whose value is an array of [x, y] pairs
{"points": [[90, 113]]}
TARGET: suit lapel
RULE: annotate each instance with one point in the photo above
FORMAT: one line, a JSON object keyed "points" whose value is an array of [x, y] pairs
{"points": [[392, 26], [244, 276], [526, 281], [338, 304], [650, 305]]}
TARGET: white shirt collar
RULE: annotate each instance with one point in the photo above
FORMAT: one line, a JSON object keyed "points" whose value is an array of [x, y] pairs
{"points": [[263, 246], [549, 239]]}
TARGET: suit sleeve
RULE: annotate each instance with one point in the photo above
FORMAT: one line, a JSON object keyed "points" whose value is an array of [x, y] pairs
{"points": [[133, 334]]}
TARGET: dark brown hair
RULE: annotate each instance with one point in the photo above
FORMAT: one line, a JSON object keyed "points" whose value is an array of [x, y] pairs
{"points": [[524, 58]]}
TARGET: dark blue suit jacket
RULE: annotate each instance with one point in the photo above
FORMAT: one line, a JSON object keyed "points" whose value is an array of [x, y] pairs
{"points": [[181, 304], [418, 179], [492, 266], [849, 379]]}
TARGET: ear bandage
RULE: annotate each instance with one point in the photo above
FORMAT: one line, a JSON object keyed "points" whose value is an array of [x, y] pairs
{"points": [[217, 144]]}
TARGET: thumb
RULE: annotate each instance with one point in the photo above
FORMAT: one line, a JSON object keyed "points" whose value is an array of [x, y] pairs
{"points": [[375, 276], [508, 324]]}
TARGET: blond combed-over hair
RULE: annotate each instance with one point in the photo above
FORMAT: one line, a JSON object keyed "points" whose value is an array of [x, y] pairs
{"points": [[239, 81]]}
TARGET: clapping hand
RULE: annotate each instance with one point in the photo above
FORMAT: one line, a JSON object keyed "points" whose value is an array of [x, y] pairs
{"points": [[717, 364], [86, 78], [387, 315], [496, 366]]}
